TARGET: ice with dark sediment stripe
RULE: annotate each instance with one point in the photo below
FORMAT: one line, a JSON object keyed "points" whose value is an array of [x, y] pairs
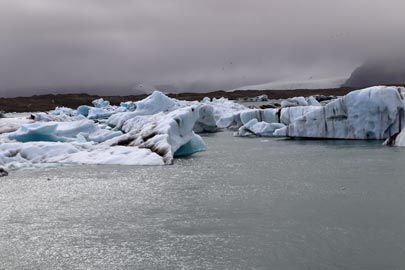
{"points": [[374, 113]]}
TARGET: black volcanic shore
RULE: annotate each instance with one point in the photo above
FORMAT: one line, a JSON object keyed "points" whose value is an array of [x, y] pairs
{"points": [[49, 102]]}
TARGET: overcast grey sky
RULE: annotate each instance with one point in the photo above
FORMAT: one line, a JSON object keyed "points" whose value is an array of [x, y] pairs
{"points": [[52, 44]]}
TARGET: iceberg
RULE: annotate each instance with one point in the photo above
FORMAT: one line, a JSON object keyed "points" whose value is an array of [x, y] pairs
{"points": [[206, 121], [295, 101], [283, 115], [156, 102], [260, 129], [62, 132], [49, 117], [162, 133], [312, 101], [18, 155], [373, 113], [290, 114], [99, 113], [128, 105], [150, 135], [196, 144], [100, 103], [83, 110], [238, 119]]}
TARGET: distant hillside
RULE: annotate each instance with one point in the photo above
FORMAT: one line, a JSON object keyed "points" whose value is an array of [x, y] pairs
{"points": [[49, 102], [378, 73]]}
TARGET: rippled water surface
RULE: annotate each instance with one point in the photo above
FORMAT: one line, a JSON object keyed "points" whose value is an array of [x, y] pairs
{"points": [[243, 204]]}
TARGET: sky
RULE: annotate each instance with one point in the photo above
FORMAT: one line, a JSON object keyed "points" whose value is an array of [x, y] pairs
{"points": [[55, 46]]}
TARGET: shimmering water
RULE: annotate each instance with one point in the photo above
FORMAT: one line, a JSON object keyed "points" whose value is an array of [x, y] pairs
{"points": [[243, 204]]}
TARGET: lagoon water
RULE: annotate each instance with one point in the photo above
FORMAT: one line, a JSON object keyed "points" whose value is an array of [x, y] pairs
{"points": [[242, 204]]}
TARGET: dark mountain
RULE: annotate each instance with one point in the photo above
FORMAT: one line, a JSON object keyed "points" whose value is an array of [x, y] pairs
{"points": [[384, 72]]}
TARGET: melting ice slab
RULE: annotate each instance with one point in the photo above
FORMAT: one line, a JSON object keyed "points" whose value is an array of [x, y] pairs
{"points": [[372, 113]]}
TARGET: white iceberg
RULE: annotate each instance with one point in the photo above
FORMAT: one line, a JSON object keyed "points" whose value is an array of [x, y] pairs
{"points": [[62, 132], [372, 113], [283, 116], [152, 139], [290, 114], [295, 101], [260, 129], [206, 121], [312, 101], [100, 103], [17, 155]]}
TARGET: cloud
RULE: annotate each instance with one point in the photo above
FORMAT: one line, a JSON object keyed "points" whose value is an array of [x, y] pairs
{"points": [[47, 44]]}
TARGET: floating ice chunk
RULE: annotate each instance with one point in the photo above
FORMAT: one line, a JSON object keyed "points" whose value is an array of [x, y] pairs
{"points": [[313, 102], [232, 121], [104, 113], [162, 133], [196, 144], [156, 102], [371, 113], [224, 107], [37, 132], [12, 155], [11, 124], [206, 100], [100, 135], [301, 101], [48, 117], [17, 155], [295, 101], [256, 128], [114, 155], [153, 104], [99, 113], [260, 98], [118, 120], [83, 110], [266, 115], [100, 103], [238, 119], [206, 121], [129, 105], [62, 132], [290, 114], [63, 111]]}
